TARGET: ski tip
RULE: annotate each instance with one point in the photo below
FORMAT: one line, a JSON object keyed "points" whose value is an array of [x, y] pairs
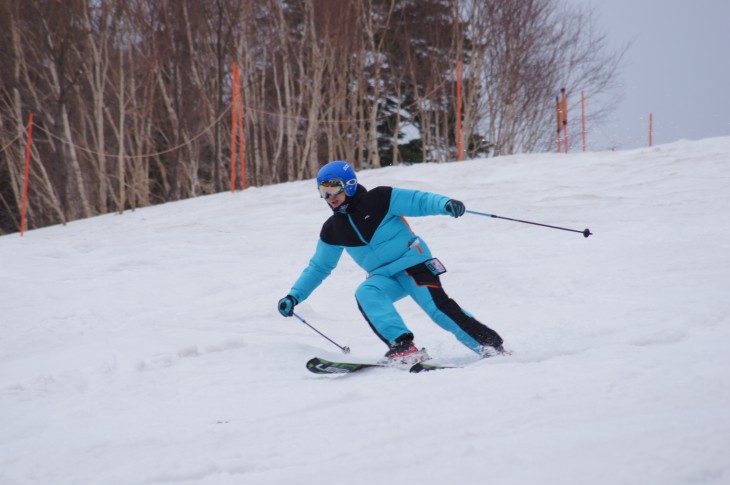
{"points": [[313, 362], [323, 366], [318, 366]]}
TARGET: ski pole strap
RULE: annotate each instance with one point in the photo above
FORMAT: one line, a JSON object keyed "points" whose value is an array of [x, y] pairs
{"points": [[586, 232], [480, 213]]}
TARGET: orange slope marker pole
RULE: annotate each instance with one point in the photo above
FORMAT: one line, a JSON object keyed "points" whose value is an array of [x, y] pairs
{"points": [[458, 111], [583, 117], [651, 128], [234, 120], [241, 126], [557, 111], [28, 147], [564, 109]]}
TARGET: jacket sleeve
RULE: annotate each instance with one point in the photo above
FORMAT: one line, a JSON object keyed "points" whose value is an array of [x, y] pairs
{"points": [[414, 203], [320, 266]]}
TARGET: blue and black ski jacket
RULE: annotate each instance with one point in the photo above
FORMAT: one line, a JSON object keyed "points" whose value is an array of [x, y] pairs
{"points": [[374, 232]]}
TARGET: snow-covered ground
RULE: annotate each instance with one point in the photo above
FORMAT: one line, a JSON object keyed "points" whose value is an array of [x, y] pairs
{"points": [[146, 348]]}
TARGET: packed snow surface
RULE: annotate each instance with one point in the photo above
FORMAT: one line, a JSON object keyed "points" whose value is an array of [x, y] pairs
{"points": [[145, 348]]}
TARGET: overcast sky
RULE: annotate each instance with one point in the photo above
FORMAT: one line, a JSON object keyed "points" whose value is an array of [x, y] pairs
{"points": [[678, 68]]}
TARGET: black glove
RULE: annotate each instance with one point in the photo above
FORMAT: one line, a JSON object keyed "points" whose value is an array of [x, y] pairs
{"points": [[455, 208], [286, 305]]}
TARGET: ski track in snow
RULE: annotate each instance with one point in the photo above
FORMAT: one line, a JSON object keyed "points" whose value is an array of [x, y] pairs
{"points": [[146, 348]]}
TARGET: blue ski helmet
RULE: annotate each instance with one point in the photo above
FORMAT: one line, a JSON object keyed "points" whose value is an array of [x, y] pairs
{"points": [[339, 170]]}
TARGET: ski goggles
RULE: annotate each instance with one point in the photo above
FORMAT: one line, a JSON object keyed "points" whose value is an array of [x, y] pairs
{"points": [[331, 188]]}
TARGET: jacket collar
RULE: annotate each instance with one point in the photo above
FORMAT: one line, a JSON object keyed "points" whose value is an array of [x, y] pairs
{"points": [[350, 201]]}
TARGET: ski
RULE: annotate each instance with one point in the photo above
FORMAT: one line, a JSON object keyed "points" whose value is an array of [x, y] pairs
{"points": [[318, 365], [426, 367], [323, 366]]}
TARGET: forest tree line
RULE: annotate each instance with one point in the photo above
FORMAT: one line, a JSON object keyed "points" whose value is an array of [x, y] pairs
{"points": [[131, 98]]}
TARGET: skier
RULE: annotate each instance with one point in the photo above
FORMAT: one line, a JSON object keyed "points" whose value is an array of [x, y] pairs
{"points": [[370, 225]]}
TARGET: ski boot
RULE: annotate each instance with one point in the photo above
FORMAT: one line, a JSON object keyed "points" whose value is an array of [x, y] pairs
{"points": [[404, 352]]}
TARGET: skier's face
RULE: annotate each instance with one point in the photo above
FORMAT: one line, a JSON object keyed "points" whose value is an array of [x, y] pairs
{"points": [[336, 200], [333, 191]]}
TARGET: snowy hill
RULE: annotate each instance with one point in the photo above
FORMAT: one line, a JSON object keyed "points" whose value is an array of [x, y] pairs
{"points": [[146, 348]]}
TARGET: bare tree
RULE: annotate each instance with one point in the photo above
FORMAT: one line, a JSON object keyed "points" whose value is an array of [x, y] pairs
{"points": [[527, 51], [132, 97]]}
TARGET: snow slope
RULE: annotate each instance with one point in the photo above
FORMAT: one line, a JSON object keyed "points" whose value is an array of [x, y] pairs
{"points": [[146, 348]]}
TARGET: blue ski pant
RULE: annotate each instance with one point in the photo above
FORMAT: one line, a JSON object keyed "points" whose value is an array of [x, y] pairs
{"points": [[376, 297]]}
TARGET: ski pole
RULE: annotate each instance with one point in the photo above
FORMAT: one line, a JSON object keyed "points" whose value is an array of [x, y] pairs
{"points": [[345, 349], [586, 232]]}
